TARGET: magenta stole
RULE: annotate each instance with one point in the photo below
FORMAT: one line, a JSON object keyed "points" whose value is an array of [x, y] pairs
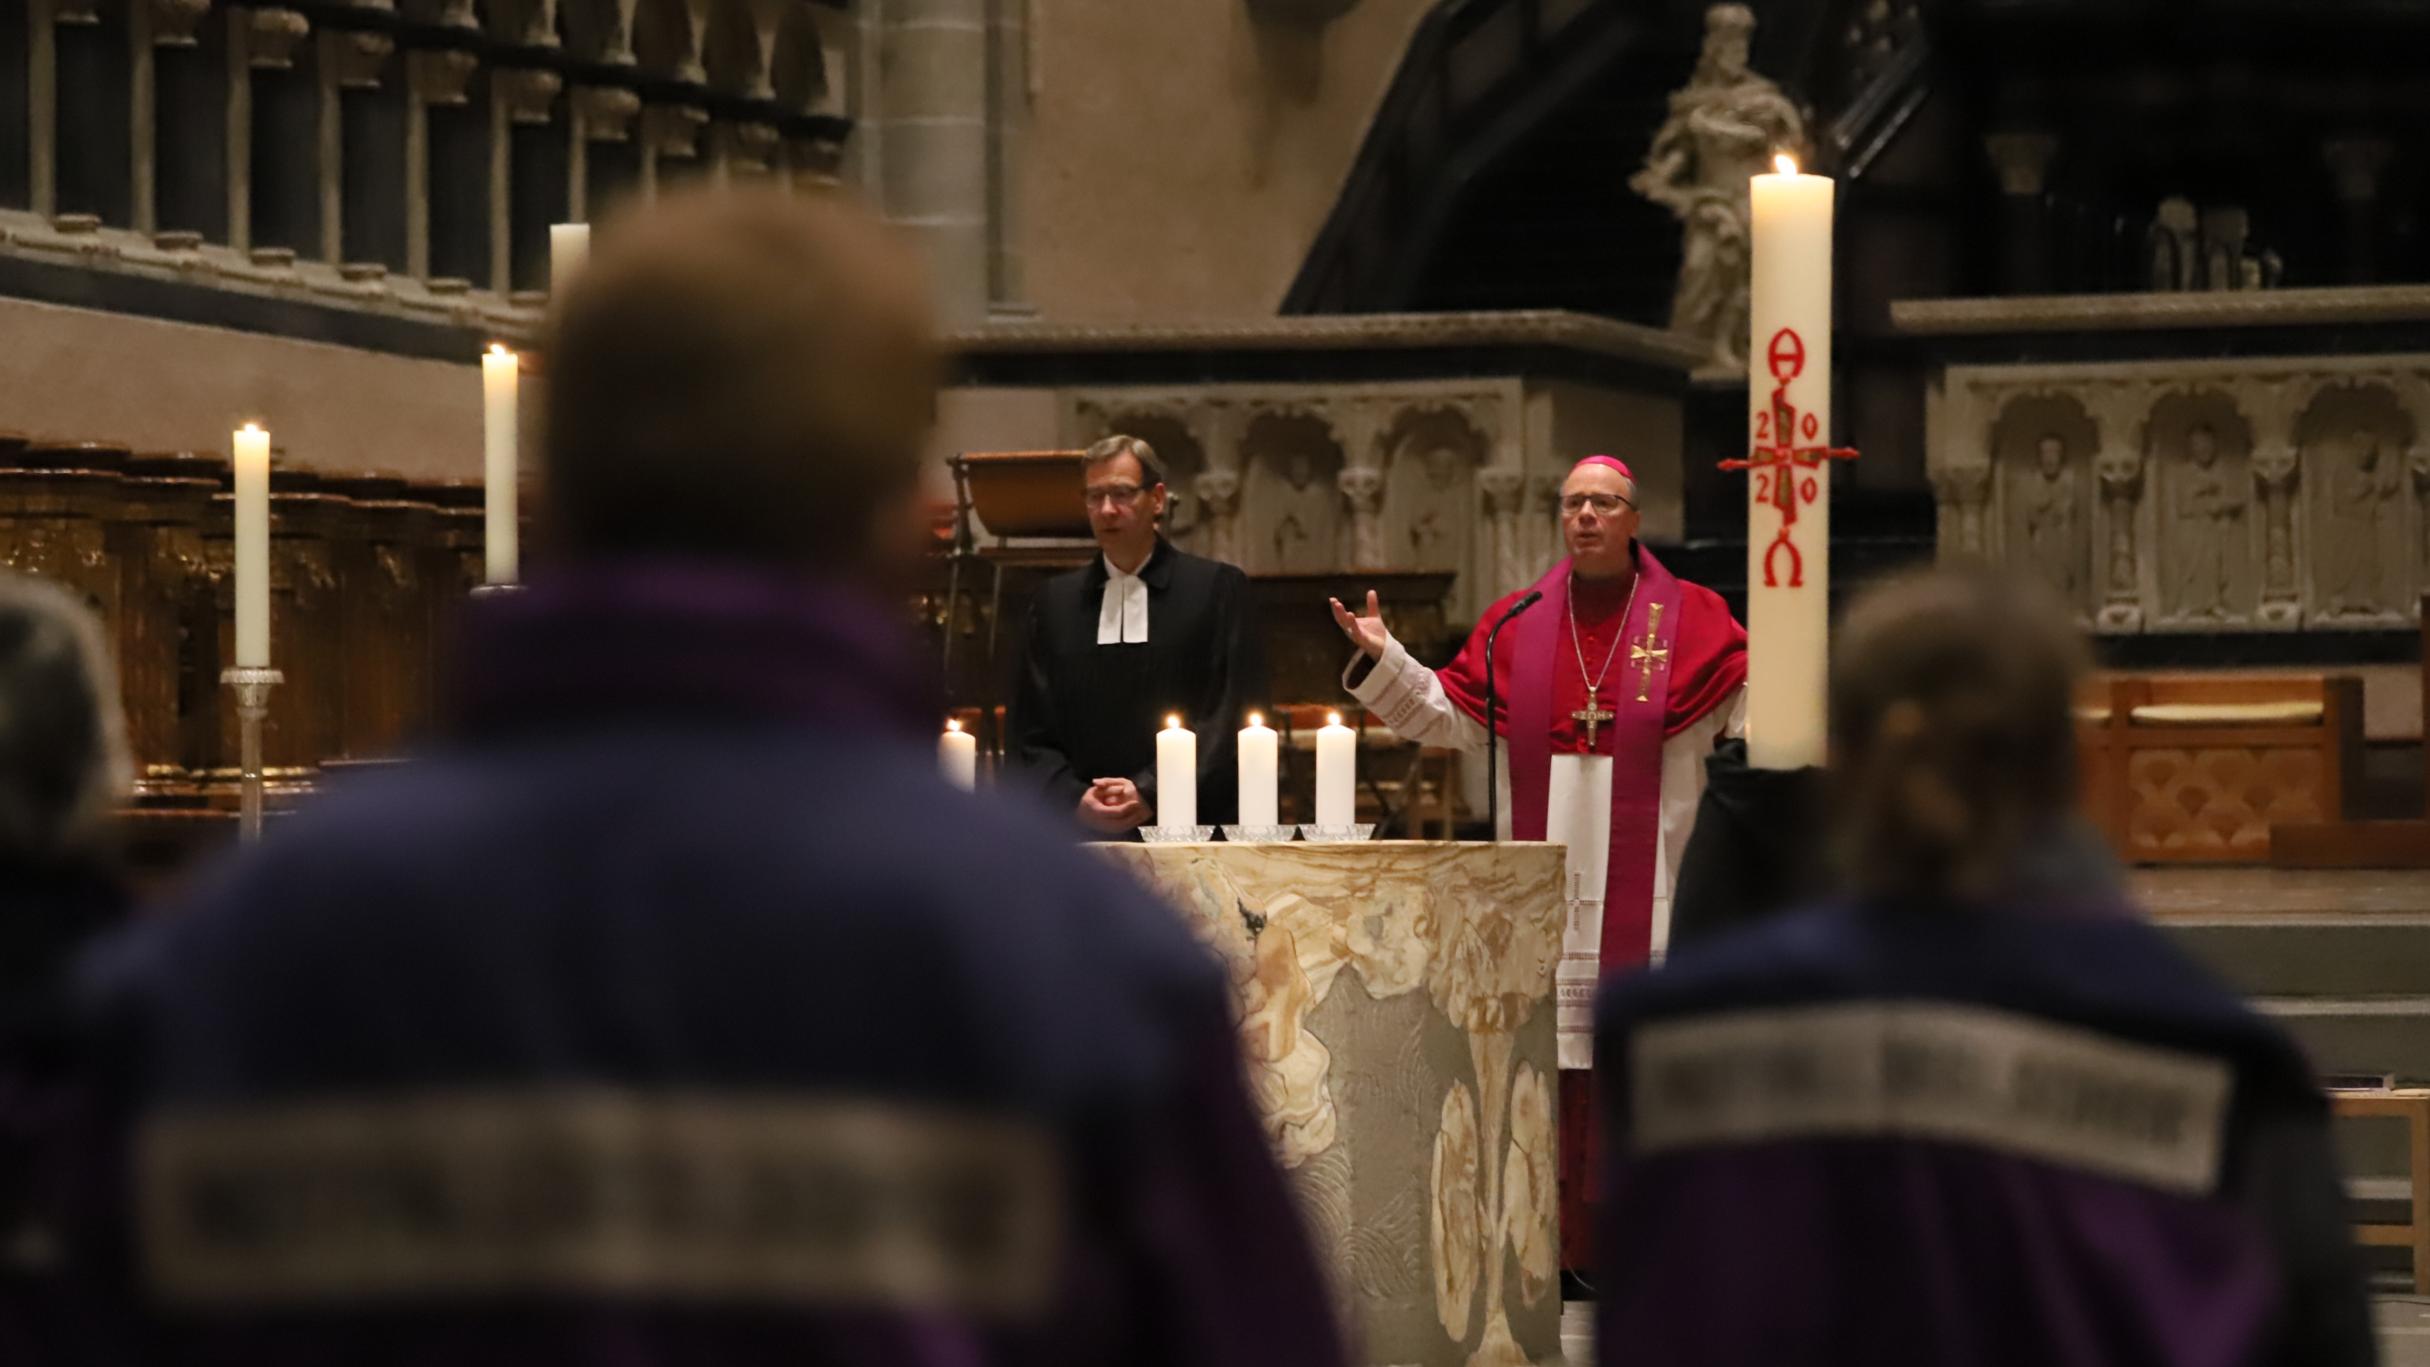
{"points": [[1633, 738]]}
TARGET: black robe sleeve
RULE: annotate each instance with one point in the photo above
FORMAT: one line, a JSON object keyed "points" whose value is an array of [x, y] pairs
{"points": [[1030, 728], [1756, 849]]}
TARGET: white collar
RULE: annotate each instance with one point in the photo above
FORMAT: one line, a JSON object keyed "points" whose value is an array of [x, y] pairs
{"points": [[1122, 615]]}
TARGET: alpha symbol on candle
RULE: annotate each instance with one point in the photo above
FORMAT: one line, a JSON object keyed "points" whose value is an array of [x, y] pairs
{"points": [[1777, 457]]}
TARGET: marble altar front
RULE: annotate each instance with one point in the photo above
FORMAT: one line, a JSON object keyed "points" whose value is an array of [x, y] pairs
{"points": [[1397, 1028]]}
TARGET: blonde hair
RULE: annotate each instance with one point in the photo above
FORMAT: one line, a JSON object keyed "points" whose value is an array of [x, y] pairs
{"points": [[747, 374], [64, 763], [1953, 747]]}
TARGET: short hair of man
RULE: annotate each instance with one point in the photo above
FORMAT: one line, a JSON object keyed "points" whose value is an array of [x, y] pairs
{"points": [[747, 375], [1151, 467], [64, 765]]}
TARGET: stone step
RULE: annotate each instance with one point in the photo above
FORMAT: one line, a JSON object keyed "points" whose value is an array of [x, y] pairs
{"points": [[2313, 954]]}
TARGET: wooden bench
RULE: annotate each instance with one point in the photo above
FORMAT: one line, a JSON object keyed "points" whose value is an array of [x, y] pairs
{"points": [[2411, 1105], [2183, 769]]}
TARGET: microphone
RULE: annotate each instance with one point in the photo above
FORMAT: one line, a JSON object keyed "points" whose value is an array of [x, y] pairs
{"points": [[1493, 747]]}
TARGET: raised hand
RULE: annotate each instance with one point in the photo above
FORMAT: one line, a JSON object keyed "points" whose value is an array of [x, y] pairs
{"points": [[1365, 631]]}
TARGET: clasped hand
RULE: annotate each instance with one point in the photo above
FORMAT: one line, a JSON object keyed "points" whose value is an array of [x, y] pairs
{"points": [[1113, 806]]}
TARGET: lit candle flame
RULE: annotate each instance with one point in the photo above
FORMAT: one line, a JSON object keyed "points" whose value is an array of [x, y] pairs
{"points": [[1785, 164], [1173, 723], [499, 349], [1333, 719], [1257, 719], [953, 723], [251, 429]]}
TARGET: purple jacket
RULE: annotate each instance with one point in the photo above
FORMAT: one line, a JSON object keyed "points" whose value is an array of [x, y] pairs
{"points": [[676, 1012], [2033, 1136]]}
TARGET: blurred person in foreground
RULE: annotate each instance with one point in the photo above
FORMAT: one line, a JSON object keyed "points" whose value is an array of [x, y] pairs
{"points": [[1979, 1111], [675, 1010], [64, 770]]}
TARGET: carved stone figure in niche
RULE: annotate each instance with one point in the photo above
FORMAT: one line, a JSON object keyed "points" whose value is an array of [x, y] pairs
{"points": [[2361, 488], [1723, 128], [1428, 506], [2208, 508], [2049, 507], [1296, 501]]}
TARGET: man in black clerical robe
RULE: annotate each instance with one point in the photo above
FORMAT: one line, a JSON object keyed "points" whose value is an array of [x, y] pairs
{"points": [[1144, 632]]}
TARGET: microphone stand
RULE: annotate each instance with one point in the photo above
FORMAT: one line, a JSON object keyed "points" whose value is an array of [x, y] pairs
{"points": [[1493, 744]]}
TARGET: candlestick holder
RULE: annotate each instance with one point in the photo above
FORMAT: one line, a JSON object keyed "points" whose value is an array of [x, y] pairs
{"points": [[1259, 835], [481, 591], [1176, 835], [252, 685], [1337, 835]]}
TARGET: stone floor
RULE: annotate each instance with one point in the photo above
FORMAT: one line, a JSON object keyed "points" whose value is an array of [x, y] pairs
{"points": [[2404, 1333]]}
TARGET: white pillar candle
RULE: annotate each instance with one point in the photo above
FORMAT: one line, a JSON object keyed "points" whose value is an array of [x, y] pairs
{"points": [[250, 456], [958, 754], [1789, 383], [1260, 774], [1336, 773], [569, 246], [1176, 776], [501, 374]]}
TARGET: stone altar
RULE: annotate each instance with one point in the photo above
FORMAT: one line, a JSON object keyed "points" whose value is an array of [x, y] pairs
{"points": [[1397, 1025]]}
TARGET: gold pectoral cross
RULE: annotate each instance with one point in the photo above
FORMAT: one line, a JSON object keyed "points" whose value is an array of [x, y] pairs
{"points": [[1649, 652], [1594, 714]]}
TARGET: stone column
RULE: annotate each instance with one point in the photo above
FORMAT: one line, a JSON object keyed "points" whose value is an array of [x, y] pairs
{"points": [[670, 145], [2419, 458], [1962, 491], [91, 107], [603, 158], [526, 176], [2023, 162], [933, 157], [42, 105], [2272, 407], [1219, 489], [189, 135], [363, 108], [285, 158], [2356, 165], [1008, 101], [1504, 490], [2119, 412], [438, 78]]}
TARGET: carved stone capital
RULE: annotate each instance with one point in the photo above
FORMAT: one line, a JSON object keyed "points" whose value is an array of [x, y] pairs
{"points": [[529, 93], [1962, 486], [2022, 160], [2419, 458], [1505, 491], [1547, 489], [271, 37], [459, 14], [673, 130], [2121, 478], [749, 146], [2274, 467], [1363, 485], [178, 23], [440, 76], [77, 12], [607, 112], [818, 159], [360, 57], [1219, 492]]}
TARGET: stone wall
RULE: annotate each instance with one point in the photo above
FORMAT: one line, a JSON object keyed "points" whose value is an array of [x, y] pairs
{"points": [[1179, 158]]}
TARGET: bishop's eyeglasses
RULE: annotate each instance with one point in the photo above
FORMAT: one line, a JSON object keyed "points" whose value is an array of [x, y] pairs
{"points": [[1608, 505]]}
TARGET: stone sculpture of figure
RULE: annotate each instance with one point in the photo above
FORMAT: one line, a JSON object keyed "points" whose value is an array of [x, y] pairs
{"points": [[2209, 511], [2360, 489], [1723, 128], [2172, 243], [2048, 505], [1434, 532], [1304, 521]]}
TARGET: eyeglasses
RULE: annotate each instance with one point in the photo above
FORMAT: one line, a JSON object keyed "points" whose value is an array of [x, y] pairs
{"points": [[1604, 504], [1121, 495]]}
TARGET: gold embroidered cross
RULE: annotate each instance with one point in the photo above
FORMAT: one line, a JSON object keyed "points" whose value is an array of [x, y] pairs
{"points": [[1649, 652], [1594, 714]]}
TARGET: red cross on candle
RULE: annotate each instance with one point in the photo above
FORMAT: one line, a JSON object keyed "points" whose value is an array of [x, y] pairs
{"points": [[1777, 458]]}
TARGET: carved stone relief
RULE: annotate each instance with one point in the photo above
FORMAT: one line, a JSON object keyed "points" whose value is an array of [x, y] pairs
{"points": [[1503, 491], [1295, 496], [2354, 441], [1431, 454], [2045, 443], [2202, 446]]}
